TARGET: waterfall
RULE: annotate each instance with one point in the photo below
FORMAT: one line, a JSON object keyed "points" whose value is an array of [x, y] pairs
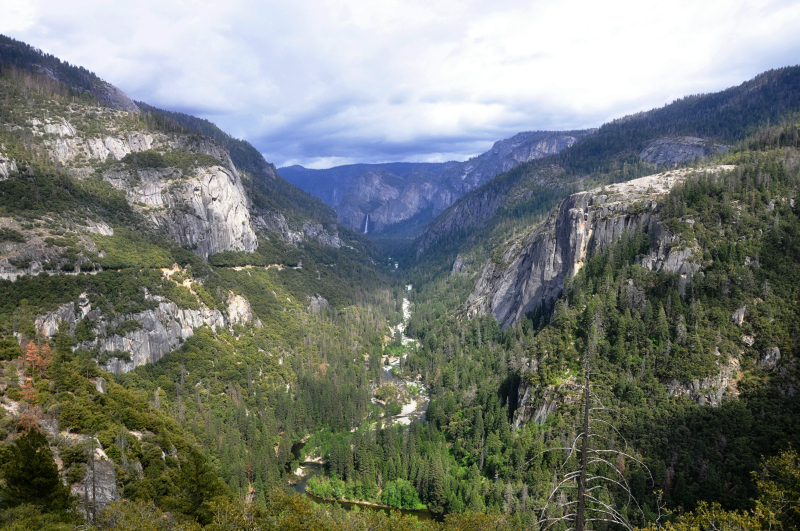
{"points": [[366, 224]]}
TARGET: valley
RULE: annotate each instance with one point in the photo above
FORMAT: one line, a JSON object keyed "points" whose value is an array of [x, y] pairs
{"points": [[189, 340]]}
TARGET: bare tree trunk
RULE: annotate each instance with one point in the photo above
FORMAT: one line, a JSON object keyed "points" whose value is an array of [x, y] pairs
{"points": [[580, 517]]}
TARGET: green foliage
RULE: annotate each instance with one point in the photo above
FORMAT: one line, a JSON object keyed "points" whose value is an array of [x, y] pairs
{"points": [[183, 160], [655, 331], [778, 484], [127, 249], [30, 516], [31, 475], [400, 493], [11, 235], [127, 326], [198, 487]]}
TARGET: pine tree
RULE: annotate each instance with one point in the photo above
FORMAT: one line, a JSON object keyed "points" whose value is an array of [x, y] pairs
{"points": [[31, 475]]}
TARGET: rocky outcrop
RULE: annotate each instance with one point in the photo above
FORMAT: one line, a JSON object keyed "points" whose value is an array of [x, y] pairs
{"points": [[49, 323], [532, 269], [770, 357], [240, 312], [206, 211], [161, 330], [7, 167], [738, 316], [273, 221], [667, 253], [710, 391], [317, 232], [537, 404], [98, 486], [67, 145], [114, 97], [673, 151], [317, 303], [35, 255], [217, 218]]}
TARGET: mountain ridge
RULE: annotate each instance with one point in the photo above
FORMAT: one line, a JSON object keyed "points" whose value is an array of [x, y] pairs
{"points": [[424, 189], [634, 146]]}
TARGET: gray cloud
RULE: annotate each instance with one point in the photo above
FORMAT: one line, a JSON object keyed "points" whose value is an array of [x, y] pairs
{"points": [[329, 82]]}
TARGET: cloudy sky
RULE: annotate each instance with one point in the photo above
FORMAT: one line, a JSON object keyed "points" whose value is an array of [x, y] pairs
{"points": [[322, 83]]}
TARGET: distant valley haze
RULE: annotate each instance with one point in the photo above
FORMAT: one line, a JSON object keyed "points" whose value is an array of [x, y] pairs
{"points": [[323, 84]]}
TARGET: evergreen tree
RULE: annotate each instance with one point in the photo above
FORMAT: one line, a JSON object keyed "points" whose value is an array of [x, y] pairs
{"points": [[31, 475]]}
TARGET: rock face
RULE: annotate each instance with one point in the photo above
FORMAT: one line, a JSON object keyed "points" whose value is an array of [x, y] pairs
{"points": [[377, 199], [34, 255], [317, 303], [770, 357], [671, 151], [7, 167], [48, 324], [738, 316], [99, 485], [240, 312], [537, 404], [207, 211], [162, 329], [532, 269], [276, 222]]}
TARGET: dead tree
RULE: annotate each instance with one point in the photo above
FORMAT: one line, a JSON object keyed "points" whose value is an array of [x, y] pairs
{"points": [[593, 471]]}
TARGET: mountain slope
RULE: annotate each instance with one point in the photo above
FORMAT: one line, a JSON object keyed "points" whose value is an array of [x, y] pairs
{"points": [[132, 246], [680, 287], [19, 54], [276, 193], [330, 184], [632, 147]]}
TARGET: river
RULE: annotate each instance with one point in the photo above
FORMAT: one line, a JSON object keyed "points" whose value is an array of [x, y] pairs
{"points": [[411, 412]]}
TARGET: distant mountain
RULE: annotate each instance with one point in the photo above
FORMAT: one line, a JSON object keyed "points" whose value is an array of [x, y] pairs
{"points": [[375, 198], [331, 184]]}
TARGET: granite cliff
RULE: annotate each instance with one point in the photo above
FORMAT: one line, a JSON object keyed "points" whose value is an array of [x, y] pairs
{"points": [[675, 151], [531, 269]]}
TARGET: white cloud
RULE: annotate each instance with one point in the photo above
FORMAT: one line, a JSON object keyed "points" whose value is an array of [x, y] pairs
{"points": [[335, 81]]}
